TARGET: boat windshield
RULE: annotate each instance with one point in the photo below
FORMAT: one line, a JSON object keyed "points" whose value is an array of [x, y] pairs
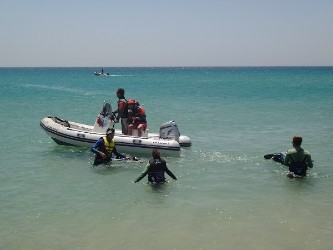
{"points": [[107, 109]]}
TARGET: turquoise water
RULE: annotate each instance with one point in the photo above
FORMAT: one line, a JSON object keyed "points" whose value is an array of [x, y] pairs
{"points": [[226, 197]]}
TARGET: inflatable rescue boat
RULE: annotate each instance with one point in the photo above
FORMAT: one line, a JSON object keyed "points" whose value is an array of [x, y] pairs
{"points": [[65, 132]]}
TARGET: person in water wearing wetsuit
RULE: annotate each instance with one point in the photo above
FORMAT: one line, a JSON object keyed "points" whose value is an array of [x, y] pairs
{"points": [[155, 169], [297, 159], [105, 147]]}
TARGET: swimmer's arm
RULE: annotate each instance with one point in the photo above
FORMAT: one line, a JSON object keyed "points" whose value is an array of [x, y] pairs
{"points": [[143, 174]]}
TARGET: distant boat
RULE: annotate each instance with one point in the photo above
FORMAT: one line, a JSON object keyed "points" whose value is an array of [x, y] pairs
{"points": [[101, 73]]}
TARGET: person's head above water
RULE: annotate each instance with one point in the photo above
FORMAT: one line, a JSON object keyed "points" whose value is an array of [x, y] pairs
{"points": [[297, 140], [110, 133], [155, 153]]}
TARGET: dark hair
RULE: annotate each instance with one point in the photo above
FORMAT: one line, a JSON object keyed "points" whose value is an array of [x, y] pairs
{"points": [[121, 91], [110, 131], [155, 153], [297, 140]]}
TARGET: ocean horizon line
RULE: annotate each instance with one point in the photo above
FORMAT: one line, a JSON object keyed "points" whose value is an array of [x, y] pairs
{"points": [[280, 66]]}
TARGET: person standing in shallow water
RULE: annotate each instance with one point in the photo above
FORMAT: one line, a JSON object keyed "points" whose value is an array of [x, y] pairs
{"points": [[297, 159], [122, 111], [105, 147], [155, 169]]}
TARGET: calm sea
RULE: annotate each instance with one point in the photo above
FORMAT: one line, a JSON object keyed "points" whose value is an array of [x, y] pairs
{"points": [[227, 195]]}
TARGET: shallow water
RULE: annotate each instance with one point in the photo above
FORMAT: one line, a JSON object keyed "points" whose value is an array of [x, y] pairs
{"points": [[226, 196]]}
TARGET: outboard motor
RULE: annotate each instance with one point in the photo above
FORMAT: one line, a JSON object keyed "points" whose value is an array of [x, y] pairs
{"points": [[169, 130], [105, 119]]}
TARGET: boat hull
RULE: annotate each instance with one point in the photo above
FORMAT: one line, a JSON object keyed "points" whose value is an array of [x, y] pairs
{"points": [[101, 74]]}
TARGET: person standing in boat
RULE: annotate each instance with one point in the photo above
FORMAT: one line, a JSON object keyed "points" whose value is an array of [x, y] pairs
{"points": [[155, 169], [136, 117], [297, 159], [105, 147], [122, 111]]}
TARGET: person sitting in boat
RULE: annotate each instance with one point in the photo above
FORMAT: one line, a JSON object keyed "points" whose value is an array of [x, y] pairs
{"points": [[155, 169], [105, 147], [136, 117], [122, 111]]}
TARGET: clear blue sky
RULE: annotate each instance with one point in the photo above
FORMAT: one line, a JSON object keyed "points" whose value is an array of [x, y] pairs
{"points": [[166, 33]]}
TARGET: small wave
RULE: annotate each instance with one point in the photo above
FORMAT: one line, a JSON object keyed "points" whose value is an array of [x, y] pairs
{"points": [[63, 89], [226, 157]]}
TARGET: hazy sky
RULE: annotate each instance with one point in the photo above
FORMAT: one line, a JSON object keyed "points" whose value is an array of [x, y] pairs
{"points": [[166, 33]]}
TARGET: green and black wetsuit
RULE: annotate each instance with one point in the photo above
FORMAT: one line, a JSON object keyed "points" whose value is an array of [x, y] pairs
{"points": [[155, 170]]}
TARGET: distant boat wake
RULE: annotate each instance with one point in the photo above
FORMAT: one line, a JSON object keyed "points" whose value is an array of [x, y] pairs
{"points": [[64, 89]]}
